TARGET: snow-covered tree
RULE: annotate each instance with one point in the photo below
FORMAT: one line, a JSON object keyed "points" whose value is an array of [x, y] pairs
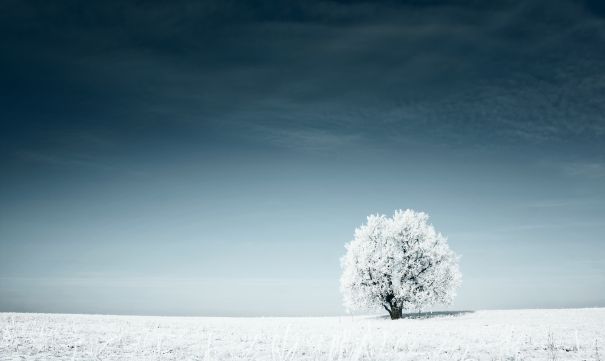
{"points": [[398, 263]]}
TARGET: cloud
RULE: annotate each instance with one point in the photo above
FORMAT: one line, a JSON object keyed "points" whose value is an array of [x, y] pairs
{"points": [[563, 203], [306, 139], [585, 169], [319, 74], [68, 161], [81, 161]]}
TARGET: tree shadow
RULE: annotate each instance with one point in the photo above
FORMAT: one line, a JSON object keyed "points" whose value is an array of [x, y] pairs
{"points": [[435, 314]]}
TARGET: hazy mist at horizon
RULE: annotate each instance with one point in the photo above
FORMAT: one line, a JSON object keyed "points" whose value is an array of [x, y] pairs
{"points": [[213, 158]]}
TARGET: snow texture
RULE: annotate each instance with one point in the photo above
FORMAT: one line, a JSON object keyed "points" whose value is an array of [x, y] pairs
{"points": [[572, 334]]}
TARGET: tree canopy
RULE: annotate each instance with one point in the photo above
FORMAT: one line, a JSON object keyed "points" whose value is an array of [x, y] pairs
{"points": [[398, 263]]}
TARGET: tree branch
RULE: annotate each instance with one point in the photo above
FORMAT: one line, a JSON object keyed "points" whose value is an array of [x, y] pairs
{"points": [[386, 308]]}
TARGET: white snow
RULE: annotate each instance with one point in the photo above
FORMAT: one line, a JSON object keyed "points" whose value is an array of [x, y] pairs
{"points": [[569, 334]]}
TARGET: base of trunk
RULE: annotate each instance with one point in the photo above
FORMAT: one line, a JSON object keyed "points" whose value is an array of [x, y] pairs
{"points": [[396, 313]]}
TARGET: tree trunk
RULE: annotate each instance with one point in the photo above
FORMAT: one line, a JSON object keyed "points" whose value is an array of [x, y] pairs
{"points": [[396, 313]]}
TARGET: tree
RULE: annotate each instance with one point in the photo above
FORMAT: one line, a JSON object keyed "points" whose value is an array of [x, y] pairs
{"points": [[398, 263]]}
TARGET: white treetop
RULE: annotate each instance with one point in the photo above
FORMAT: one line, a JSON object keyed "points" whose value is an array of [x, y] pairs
{"points": [[398, 263]]}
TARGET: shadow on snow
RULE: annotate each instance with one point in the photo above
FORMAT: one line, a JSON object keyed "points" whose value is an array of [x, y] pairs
{"points": [[416, 315]]}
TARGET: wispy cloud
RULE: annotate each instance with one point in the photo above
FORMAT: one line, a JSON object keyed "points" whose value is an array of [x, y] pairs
{"points": [[562, 203], [150, 281], [585, 169], [75, 162], [64, 160], [306, 139], [498, 76]]}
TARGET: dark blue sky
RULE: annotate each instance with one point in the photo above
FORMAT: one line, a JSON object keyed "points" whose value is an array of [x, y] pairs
{"points": [[212, 158]]}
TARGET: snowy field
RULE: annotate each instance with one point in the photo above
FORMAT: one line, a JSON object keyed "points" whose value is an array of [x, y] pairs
{"points": [[573, 334]]}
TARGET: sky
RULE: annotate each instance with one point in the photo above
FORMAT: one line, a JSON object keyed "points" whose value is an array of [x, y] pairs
{"points": [[213, 158]]}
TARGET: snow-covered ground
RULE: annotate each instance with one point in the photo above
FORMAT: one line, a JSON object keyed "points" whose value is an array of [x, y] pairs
{"points": [[572, 334]]}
